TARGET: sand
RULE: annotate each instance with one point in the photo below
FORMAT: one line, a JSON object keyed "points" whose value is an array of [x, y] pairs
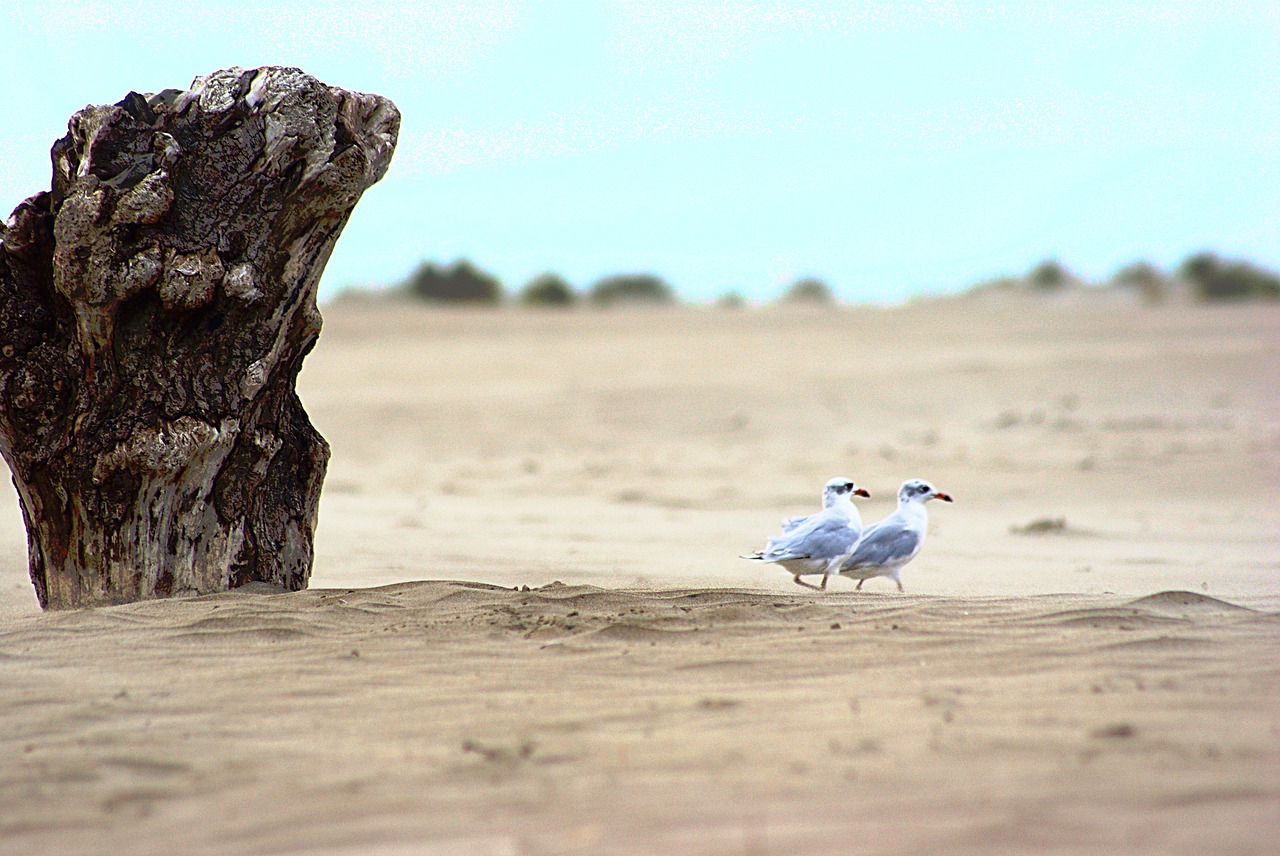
{"points": [[528, 630]]}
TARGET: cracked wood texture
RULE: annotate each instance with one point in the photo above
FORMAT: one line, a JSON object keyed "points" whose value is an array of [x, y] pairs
{"points": [[155, 308]]}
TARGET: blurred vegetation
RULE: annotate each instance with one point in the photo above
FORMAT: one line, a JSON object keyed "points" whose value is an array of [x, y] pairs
{"points": [[548, 289], [1145, 279], [631, 288], [731, 300], [1216, 279], [1049, 275], [460, 282], [810, 291], [1204, 276]]}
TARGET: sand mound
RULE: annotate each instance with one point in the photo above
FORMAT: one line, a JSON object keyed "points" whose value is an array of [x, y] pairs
{"points": [[1182, 603]]}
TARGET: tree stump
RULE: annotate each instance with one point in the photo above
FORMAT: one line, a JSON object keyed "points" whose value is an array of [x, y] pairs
{"points": [[155, 308]]}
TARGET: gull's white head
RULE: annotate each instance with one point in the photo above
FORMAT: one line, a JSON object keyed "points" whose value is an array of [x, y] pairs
{"points": [[919, 490], [839, 488]]}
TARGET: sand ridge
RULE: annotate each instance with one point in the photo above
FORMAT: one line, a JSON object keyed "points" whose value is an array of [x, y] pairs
{"points": [[435, 707]]}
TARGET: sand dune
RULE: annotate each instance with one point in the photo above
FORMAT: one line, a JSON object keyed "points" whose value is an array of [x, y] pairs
{"points": [[603, 675], [461, 717]]}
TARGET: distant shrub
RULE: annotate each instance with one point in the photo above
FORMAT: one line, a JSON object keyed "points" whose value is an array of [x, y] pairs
{"points": [[1143, 278], [809, 290], [1049, 275], [460, 282], [1137, 273], [1216, 279], [548, 289], [731, 300], [631, 288]]}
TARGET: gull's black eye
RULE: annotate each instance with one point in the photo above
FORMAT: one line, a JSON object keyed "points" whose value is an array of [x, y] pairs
{"points": [[846, 487]]}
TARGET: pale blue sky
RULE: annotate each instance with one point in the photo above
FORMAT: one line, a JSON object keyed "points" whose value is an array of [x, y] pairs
{"points": [[895, 149]]}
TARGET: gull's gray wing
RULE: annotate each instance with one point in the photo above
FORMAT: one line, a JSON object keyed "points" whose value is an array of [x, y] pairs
{"points": [[888, 542], [792, 523], [825, 537]]}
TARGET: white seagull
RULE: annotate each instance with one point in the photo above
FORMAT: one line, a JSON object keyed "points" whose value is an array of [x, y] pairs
{"points": [[889, 544], [817, 543]]}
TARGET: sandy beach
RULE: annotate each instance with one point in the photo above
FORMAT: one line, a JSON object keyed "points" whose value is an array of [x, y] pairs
{"points": [[529, 631]]}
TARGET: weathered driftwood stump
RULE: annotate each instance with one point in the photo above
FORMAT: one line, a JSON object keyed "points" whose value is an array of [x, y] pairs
{"points": [[155, 309]]}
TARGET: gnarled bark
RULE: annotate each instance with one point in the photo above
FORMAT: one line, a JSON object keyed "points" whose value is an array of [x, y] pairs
{"points": [[155, 308]]}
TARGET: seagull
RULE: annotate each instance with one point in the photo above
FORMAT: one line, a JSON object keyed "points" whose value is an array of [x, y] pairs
{"points": [[889, 544], [817, 543]]}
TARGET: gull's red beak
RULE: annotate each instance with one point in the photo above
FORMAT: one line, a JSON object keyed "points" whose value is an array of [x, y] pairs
{"points": [[942, 496], [862, 491]]}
